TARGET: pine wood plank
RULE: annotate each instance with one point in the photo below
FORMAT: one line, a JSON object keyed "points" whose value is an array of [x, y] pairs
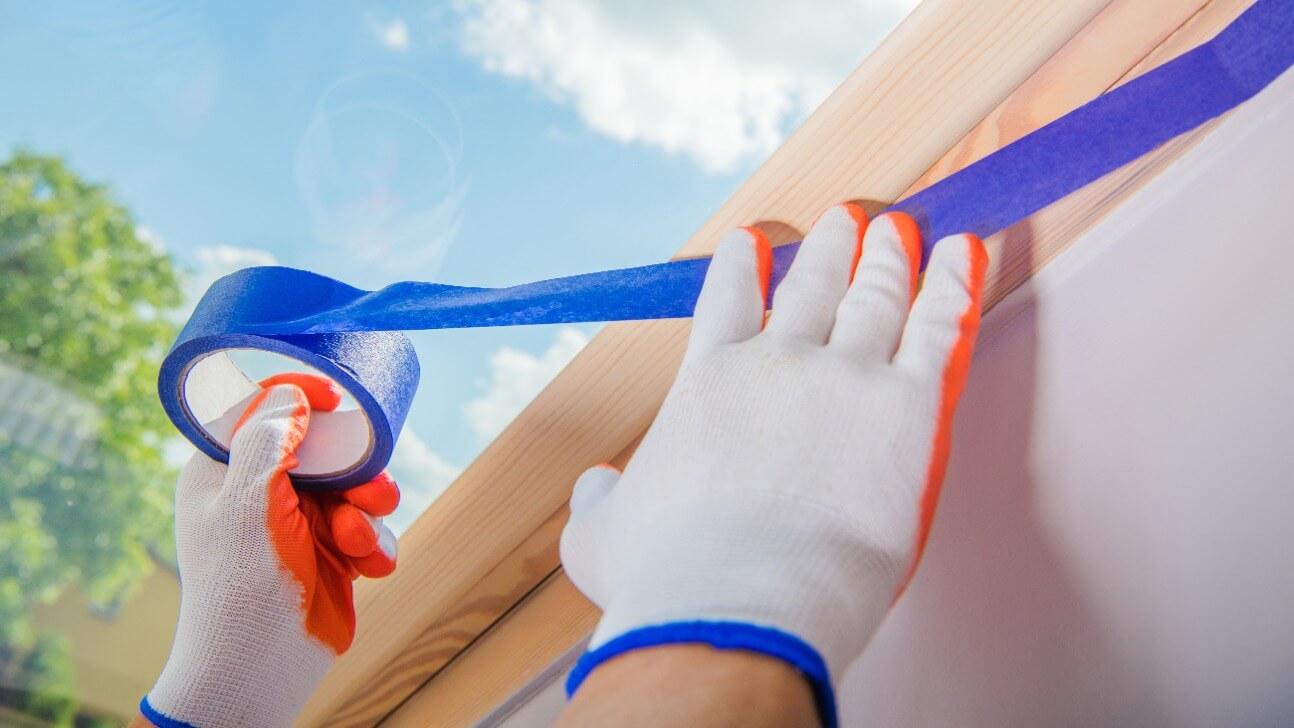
{"points": [[486, 678], [506, 585], [542, 628], [947, 66], [524, 569], [1096, 61]]}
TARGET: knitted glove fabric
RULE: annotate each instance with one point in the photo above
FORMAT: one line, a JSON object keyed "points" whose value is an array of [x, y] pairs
{"points": [[782, 497], [266, 571]]}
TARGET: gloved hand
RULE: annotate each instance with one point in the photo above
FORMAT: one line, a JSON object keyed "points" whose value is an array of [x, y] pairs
{"points": [[781, 499], [266, 571]]}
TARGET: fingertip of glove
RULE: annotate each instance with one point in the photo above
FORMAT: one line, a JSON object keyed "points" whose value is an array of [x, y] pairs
{"points": [[842, 211], [378, 497], [280, 402], [756, 235], [594, 485], [382, 561], [763, 258], [963, 258], [978, 259], [354, 532], [322, 393], [903, 230]]}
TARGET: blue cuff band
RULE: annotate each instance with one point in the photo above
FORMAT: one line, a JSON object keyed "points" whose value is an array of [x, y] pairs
{"points": [[158, 719], [724, 636]]}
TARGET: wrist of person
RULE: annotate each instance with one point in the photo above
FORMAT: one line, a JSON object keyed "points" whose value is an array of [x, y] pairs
{"points": [[761, 573], [228, 668]]}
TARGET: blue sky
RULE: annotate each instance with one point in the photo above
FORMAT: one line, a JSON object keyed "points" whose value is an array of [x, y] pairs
{"points": [[478, 142]]}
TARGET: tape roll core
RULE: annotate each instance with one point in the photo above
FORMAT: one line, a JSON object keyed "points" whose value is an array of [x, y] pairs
{"points": [[217, 393]]}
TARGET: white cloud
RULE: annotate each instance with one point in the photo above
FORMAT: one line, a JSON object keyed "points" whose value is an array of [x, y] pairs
{"points": [[393, 35], [720, 82], [215, 261], [223, 259], [422, 476], [515, 378], [151, 239]]}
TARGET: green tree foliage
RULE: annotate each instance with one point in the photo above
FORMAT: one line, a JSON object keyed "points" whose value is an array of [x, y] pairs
{"points": [[41, 681], [86, 305]]}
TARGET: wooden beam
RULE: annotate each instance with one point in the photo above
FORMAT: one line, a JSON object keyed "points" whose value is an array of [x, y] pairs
{"points": [[1129, 38], [1097, 59], [501, 589], [939, 74], [523, 571], [540, 631]]}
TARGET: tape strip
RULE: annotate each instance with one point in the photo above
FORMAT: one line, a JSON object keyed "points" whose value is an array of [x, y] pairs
{"points": [[351, 334]]}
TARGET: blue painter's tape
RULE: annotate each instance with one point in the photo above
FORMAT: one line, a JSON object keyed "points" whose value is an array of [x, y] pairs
{"points": [[378, 368], [158, 718], [1112, 130], [351, 334]]}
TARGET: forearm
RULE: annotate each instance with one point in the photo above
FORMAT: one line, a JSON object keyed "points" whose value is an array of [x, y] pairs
{"points": [[693, 685]]}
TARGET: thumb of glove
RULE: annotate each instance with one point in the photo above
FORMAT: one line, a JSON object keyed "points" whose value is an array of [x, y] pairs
{"points": [[592, 488], [584, 544], [267, 436]]}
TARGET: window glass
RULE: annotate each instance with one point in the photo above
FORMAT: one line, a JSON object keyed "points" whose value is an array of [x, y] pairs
{"points": [[148, 147]]}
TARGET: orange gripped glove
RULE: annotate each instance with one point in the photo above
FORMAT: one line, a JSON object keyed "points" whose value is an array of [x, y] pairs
{"points": [[266, 571]]}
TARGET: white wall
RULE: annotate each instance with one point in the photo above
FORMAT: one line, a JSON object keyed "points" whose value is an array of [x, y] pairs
{"points": [[1115, 544]]}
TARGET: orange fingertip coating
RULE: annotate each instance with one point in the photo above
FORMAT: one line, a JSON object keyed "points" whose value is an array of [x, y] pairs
{"points": [[323, 394], [763, 260], [352, 531], [608, 466], [954, 381], [910, 238], [378, 497], [302, 538], [860, 221], [374, 566], [978, 265]]}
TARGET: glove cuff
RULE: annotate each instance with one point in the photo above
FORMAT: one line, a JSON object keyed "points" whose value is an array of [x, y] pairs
{"points": [[235, 666], [724, 636], [159, 719], [775, 563]]}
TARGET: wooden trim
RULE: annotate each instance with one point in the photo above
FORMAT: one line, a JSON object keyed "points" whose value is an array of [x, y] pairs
{"points": [[1128, 39], [540, 631], [961, 76]]}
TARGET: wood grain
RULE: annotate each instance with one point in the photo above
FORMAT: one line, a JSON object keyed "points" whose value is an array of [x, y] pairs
{"points": [[1026, 247], [541, 629], [1089, 64], [1103, 56], [947, 66], [502, 589]]}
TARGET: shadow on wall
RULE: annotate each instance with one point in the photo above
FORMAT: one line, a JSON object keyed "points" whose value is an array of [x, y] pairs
{"points": [[995, 629]]}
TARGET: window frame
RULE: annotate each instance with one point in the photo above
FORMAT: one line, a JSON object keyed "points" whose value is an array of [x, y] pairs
{"points": [[955, 81]]}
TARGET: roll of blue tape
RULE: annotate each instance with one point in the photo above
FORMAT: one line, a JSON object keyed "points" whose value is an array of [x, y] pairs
{"points": [[352, 335], [378, 368]]}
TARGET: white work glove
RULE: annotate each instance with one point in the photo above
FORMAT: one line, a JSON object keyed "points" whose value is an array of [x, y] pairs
{"points": [[781, 499], [265, 571]]}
